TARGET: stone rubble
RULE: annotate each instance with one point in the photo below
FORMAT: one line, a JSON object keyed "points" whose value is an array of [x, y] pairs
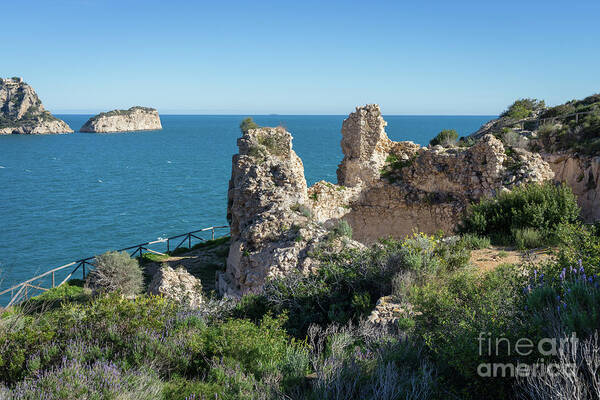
{"points": [[177, 284]]}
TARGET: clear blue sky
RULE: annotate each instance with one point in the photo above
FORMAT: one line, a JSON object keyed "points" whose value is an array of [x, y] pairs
{"points": [[301, 57]]}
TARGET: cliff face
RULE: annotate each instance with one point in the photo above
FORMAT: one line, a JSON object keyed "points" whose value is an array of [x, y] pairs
{"points": [[133, 119], [582, 174], [384, 189], [22, 112]]}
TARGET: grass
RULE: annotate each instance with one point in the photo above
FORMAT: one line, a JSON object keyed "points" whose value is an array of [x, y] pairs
{"points": [[72, 291]]}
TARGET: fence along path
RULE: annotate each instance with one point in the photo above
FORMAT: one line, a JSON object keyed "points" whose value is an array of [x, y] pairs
{"points": [[25, 289]]}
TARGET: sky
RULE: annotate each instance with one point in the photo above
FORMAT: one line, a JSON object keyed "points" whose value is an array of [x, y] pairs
{"points": [[301, 57]]}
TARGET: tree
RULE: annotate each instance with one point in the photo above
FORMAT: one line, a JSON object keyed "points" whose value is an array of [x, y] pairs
{"points": [[445, 138], [248, 124]]}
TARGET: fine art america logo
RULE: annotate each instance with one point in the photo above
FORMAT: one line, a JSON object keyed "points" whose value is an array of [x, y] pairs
{"points": [[524, 347]]}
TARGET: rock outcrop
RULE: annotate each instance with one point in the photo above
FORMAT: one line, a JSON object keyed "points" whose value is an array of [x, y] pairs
{"points": [[177, 284], [388, 311], [134, 119], [384, 189], [582, 174], [22, 112], [272, 229]]}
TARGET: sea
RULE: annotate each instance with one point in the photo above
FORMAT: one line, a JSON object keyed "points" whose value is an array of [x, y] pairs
{"points": [[67, 197]]}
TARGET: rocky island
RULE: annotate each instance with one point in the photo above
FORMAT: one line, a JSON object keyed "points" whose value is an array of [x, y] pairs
{"points": [[22, 112], [134, 119]]}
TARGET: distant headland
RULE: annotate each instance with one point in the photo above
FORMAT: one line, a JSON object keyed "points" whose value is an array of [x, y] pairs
{"points": [[22, 112]]}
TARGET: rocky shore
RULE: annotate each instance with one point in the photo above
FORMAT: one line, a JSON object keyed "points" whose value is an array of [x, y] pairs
{"points": [[134, 119], [22, 112]]}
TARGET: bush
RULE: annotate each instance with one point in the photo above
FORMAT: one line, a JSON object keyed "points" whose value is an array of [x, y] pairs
{"points": [[561, 306], [541, 207], [453, 310], [514, 140], [347, 284], [342, 229], [247, 124], [578, 243], [523, 108], [101, 380], [116, 272], [70, 291], [445, 138], [475, 242], [528, 238]]}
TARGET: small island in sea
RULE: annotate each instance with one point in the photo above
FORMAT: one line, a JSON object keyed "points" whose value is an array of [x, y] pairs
{"points": [[134, 119], [22, 112]]}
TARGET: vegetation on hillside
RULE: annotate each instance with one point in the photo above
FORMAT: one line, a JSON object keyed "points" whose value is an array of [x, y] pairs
{"points": [[445, 138], [305, 336], [527, 216], [523, 108]]}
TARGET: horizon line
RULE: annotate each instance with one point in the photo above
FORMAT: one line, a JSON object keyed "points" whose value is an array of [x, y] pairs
{"points": [[298, 115]]}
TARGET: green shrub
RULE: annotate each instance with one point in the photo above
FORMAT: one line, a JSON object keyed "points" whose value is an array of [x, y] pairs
{"points": [[70, 291], [258, 349], [114, 271], [474, 242], [514, 139], [453, 310], [181, 388], [342, 229], [445, 138], [578, 243], [528, 238], [523, 108], [247, 124], [563, 305], [542, 207]]}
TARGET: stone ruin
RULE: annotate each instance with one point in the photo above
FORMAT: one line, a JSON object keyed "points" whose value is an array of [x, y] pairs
{"points": [[384, 189]]}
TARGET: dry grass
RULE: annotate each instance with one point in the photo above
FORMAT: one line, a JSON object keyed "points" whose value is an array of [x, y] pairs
{"points": [[490, 258]]}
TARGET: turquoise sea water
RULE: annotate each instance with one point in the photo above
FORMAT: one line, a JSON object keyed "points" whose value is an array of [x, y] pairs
{"points": [[65, 197]]}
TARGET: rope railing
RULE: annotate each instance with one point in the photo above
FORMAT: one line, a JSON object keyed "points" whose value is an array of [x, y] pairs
{"points": [[23, 290]]}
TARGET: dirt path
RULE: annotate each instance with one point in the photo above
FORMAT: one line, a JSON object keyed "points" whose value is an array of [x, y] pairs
{"points": [[493, 256]]}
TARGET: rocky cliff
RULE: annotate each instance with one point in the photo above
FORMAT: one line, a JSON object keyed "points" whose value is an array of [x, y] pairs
{"points": [[134, 119], [384, 189], [22, 112]]}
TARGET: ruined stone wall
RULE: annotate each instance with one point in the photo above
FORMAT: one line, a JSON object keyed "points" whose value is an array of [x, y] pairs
{"points": [[273, 231], [384, 189], [421, 188]]}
